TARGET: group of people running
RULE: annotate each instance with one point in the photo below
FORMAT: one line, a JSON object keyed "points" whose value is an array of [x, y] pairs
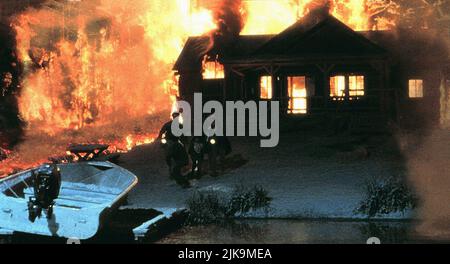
{"points": [[185, 156]]}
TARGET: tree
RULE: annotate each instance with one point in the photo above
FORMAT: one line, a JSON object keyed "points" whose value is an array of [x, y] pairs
{"points": [[425, 13]]}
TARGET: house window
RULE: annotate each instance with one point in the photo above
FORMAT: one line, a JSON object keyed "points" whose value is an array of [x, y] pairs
{"points": [[266, 87], [337, 86], [213, 70], [298, 95], [356, 86], [416, 88], [343, 86]]}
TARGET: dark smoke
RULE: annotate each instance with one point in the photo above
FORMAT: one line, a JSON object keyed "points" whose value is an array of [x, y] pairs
{"points": [[230, 19], [11, 7]]}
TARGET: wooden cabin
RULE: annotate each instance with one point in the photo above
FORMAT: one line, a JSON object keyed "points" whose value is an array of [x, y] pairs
{"points": [[319, 67]]}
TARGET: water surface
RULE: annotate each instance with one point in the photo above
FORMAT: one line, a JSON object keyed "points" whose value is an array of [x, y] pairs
{"points": [[294, 232]]}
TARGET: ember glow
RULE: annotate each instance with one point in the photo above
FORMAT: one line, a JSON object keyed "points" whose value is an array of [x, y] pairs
{"points": [[96, 71]]}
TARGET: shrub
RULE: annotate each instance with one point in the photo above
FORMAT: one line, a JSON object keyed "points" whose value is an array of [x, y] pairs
{"points": [[244, 199], [385, 196], [207, 207]]}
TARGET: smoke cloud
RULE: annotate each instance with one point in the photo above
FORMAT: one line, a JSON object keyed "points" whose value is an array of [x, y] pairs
{"points": [[429, 172], [229, 16]]}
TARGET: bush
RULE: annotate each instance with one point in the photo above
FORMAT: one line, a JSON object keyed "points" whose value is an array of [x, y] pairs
{"points": [[245, 199], [207, 207], [385, 196]]}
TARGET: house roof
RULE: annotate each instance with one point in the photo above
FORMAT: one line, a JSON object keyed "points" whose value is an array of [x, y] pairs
{"points": [[320, 36], [197, 47], [316, 35], [192, 53], [412, 45]]}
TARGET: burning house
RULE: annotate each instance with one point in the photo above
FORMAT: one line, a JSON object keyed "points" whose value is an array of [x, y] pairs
{"points": [[320, 67]]}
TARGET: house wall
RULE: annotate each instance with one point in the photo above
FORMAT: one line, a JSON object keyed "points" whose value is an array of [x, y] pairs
{"points": [[189, 83], [391, 104], [418, 112], [248, 87], [445, 98]]}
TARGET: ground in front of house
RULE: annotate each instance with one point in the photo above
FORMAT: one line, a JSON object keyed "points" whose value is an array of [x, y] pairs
{"points": [[310, 174]]}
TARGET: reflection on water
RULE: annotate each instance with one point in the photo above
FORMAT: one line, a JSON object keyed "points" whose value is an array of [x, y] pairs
{"points": [[293, 232], [257, 232]]}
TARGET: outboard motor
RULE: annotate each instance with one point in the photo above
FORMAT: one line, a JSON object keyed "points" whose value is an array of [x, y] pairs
{"points": [[46, 185]]}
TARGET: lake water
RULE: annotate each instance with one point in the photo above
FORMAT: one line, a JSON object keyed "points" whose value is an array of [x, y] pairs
{"points": [[259, 232], [294, 232]]}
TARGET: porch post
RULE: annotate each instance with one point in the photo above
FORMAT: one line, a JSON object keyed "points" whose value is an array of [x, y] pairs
{"points": [[326, 70], [383, 93], [444, 89]]}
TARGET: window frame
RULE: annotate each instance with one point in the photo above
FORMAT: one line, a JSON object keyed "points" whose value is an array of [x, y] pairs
{"points": [[347, 90], [363, 90], [422, 92], [270, 90], [334, 97], [218, 68], [290, 99]]}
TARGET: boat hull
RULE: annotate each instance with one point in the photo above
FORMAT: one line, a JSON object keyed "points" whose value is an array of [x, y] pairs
{"points": [[89, 193]]}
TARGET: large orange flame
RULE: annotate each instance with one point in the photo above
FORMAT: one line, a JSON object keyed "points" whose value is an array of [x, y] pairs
{"points": [[96, 71]]}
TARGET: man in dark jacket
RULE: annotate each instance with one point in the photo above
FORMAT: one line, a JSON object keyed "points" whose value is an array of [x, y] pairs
{"points": [[166, 129], [175, 152]]}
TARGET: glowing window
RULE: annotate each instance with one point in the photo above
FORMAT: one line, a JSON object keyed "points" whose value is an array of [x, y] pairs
{"points": [[266, 87], [298, 95], [337, 86], [356, 86], [415, 88], [213, 70], [342, 86]]}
